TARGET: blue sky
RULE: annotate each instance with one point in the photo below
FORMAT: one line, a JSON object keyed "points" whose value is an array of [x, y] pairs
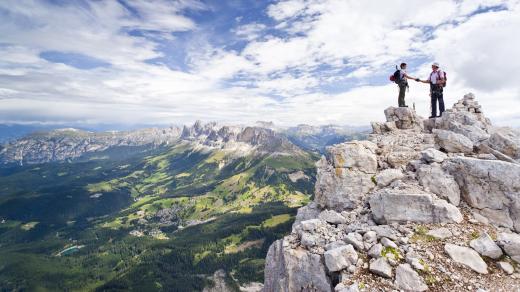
{"points": [[289, 61]]}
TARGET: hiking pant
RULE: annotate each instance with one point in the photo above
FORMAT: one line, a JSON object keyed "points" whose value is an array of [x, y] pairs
{"points": [[402, 91], [436, 95]]}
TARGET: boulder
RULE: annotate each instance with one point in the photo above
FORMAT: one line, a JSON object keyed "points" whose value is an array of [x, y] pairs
{"points": [[506, 267], [289, 270], [387, 176], [505, 140], [485, 246], [440, 233], [376, 251], [491, 186], [370, 237], [381, 267], [354, 155], [409, 280], [340, 258], [439, 182], [351, 288], [433, 155], [389, 206], [500, 217], [453, 142], [387, 242], [466, 256], [355, 239], [341, 188], [310, 211], [332, 217], [334, 244], [404, 118], [510, 243]]}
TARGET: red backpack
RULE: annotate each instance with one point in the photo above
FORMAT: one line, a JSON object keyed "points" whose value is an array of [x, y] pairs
{"points": [[439, 77]]}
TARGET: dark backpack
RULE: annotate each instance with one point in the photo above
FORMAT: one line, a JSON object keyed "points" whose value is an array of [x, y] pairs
{"points": [[396, 76]]}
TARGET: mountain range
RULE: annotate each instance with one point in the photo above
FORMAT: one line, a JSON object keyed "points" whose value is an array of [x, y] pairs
{"points": [[147, 209]]}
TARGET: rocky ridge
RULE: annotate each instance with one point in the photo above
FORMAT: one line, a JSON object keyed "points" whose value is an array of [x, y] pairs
{"points": [[422, 205], [65, 144]]}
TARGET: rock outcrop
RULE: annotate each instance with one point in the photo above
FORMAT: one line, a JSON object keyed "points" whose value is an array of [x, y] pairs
{"points": [[401, 210]]}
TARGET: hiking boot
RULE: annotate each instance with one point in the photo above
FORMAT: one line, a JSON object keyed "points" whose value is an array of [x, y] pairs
{"points": [[431, 117], [403, 106]]}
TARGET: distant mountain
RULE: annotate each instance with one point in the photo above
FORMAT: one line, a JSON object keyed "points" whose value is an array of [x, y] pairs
{"points": [[316, 138], [10, 132], [70, 143], [120, 217]]}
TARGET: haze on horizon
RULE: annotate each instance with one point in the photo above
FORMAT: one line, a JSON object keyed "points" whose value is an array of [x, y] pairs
{"points": [[290, 61]]}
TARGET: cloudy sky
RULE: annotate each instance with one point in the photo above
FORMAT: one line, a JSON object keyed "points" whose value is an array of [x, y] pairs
{"points": [[239, 61]]}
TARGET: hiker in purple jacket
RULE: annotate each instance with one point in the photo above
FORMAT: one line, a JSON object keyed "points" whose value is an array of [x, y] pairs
{"points": [[437, 81]]}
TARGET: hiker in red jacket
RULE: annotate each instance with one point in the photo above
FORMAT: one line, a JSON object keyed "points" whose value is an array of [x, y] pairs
{"points": [[437, 81]]}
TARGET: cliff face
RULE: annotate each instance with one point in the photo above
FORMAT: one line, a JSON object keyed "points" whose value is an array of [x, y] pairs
{"points": [[415, 207]]}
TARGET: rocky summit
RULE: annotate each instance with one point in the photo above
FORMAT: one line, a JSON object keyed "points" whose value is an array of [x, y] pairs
{"points": [[423, 204]]}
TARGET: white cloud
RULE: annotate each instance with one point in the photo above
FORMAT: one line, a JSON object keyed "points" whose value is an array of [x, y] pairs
{"points": [[234, 85]]}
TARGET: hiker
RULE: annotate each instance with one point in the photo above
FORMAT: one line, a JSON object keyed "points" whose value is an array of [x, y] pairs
{"points": [[437, 81], [400, 77]]}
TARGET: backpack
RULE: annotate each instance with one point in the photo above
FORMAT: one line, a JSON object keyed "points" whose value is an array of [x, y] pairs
{"points": [[438, 76], [396, 77]]}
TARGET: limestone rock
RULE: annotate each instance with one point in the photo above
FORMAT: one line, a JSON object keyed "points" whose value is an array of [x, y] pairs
{"points": [[381, 267], [389, 206], [342, 288], [355, 155], [506, 141], [510, 243], [340, 258], [433, 155], [466, 256], [409, 280], [499, 217], [387, 176], [340, 188], [355, 239], [310, 211], [294, 270], [388, 243], [506, 267], [489, 184], [370, 237], [332, 217], [376, 251], [404, 118], [453, 142], [485, 246], [439, 182], [334, 244], [440, 233]]}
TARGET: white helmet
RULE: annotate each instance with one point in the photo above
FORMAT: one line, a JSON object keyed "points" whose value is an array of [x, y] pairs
{"points": [[436, 64]]}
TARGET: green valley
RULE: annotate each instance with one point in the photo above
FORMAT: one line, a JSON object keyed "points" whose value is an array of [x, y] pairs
{"points": [[147, 218]]}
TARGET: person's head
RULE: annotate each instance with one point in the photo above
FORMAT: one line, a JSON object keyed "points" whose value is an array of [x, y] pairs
{"points": [[435, 66], [403, 65]]}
